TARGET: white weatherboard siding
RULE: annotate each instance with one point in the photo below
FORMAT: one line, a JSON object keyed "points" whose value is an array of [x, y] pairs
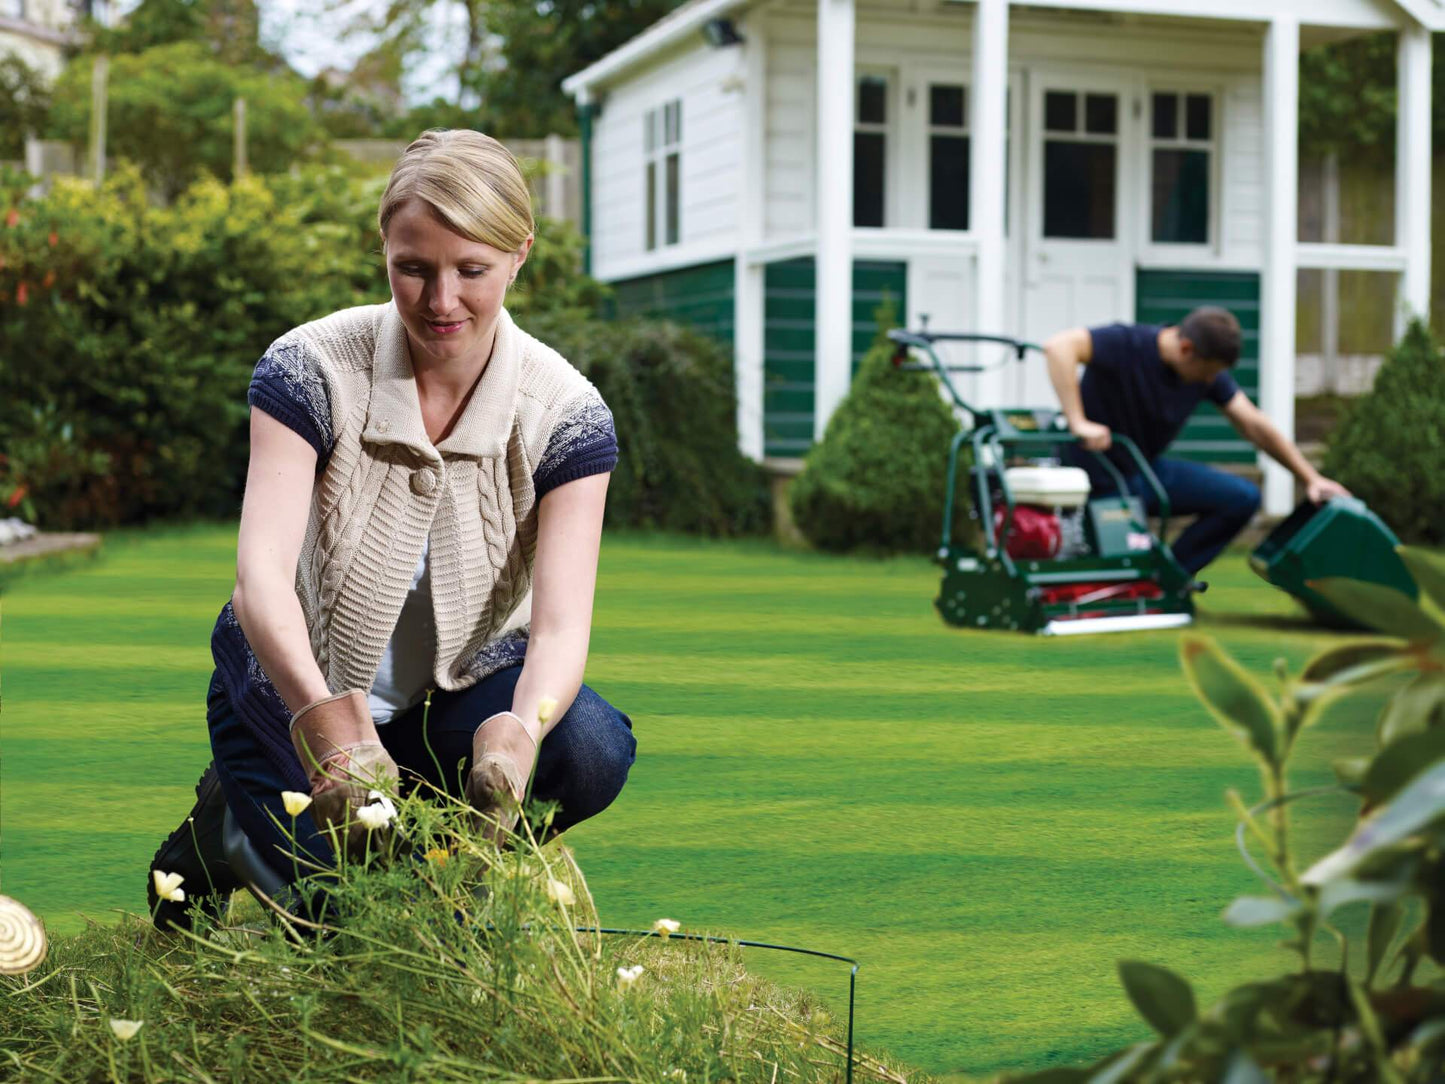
{"points": [[709, 84]]}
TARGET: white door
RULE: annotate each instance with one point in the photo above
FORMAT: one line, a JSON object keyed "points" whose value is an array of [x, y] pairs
{"points": [[1077, 258]]}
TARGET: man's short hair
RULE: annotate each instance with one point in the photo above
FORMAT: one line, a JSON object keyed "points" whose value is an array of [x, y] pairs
{"points": [[1214, 333]]}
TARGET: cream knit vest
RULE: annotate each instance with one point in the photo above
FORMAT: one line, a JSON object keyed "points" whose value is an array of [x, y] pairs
{"points": [[385, 489]]}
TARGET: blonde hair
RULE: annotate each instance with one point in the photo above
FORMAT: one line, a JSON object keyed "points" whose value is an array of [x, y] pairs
{"points": [[470, 181]]}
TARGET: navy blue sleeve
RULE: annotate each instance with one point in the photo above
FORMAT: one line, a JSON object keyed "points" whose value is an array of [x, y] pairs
{"points": [[1222, 389], [288, 385], [1111, 344], [584, 442]]}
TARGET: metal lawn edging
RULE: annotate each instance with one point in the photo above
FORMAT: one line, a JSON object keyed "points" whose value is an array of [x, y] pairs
{"points": [[852, 972]]}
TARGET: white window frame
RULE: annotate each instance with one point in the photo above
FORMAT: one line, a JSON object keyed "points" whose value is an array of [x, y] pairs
{"points": [[888, 129], [661, 141], [925, 104], [1185, 250], [1081, 87]]}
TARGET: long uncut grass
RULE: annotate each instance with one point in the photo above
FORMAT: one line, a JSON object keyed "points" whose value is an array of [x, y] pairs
{"points": [[439, 958], [987, 821]]}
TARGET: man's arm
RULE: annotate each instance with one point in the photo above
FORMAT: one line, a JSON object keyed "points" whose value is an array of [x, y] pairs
{"points": [[1254, 426], [1065, 352]]}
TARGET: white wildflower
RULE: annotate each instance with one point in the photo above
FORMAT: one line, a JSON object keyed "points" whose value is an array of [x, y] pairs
{"points": [[666, 926], [560, 892], [125, 1029], [626, 976], [374, 816], [168, 886]]}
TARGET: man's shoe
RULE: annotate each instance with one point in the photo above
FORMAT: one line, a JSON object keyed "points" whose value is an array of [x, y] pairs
{"points": [[196, 851]]}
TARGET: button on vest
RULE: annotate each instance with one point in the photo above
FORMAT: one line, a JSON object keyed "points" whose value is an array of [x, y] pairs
{"points": [[423, 481]]}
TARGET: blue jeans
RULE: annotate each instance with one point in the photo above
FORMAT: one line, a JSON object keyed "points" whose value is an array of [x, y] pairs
{"points": [[1223, 503], [582, 764]]}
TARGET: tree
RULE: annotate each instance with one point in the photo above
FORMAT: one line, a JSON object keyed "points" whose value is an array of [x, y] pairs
{"points": [[232, 29], [24, 102], [514, 54], [170, 112]]}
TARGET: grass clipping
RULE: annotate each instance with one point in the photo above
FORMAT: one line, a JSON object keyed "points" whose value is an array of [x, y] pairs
{"points": [[443, 959]]}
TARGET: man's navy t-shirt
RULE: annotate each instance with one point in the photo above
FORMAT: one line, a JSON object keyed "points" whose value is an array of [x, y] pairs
{"points": [[1128, 387]]}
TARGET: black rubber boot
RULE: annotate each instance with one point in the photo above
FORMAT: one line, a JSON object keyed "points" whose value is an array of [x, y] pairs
{"points": [[197, 852]]}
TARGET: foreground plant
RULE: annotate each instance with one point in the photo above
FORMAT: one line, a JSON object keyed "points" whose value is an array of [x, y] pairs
{"points": [[440, 958], [1365, 1015]]}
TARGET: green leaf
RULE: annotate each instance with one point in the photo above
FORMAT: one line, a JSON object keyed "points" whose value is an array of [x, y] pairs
{"points": [[1428, 570], [1401, 761], [1249, 911], [1119, 1067], [1415, 708], [1057, 1075], [1385, 920], [1339, 662], [1351, 770], [1231, 695], [1343, 892], [1163, 999], [1378, 607], [1241, 1069], [1419, 804]]}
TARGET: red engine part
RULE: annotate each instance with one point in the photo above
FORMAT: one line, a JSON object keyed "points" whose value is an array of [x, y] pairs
{"points": [[1034, 533], [1085, 593]]}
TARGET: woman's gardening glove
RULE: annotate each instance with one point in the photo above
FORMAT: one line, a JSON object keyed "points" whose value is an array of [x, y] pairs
{"points": [[503, 753], [345, 763]]}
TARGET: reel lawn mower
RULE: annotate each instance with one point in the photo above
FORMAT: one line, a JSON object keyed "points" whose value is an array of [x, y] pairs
{"points": [[1049, 558]]}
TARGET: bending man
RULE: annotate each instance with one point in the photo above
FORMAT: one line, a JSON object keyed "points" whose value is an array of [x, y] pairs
{"points": [[1144, 381]]}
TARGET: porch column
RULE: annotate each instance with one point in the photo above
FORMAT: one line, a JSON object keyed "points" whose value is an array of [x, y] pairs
{"points": [[748, 276], [987, 193], [1277, 290], [833, 200], [1412, 172]]}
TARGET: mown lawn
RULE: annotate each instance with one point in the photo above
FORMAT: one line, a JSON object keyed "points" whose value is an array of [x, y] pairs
{"points": [[986, 821]]}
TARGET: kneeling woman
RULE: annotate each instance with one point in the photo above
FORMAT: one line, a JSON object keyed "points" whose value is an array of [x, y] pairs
{"points": [[423, 512]]}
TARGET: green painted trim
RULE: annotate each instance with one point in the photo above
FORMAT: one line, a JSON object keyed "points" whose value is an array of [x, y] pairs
{"points": [[585, 113], [1166, 297], [789, 317], [700, 297]]}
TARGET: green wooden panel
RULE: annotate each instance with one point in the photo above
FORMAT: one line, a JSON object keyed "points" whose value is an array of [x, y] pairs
{"points": [[700, 297], [1166, 297], [789, 296]]}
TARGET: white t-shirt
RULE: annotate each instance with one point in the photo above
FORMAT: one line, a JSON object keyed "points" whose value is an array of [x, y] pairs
{"points": [[407, 663]]}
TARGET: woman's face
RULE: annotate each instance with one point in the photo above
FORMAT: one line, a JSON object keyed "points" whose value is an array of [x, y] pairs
{"points": [[448, 290]]}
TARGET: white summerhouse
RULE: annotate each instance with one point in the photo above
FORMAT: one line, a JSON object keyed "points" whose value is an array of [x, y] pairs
{"points": [[774, 170]]}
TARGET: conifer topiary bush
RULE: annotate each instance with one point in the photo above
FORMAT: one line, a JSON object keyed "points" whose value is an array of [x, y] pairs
{"points": [[1390, 448], [876, 480]]}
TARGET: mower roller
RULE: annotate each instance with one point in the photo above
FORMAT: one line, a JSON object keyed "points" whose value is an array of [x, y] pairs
{"points": [[1051, 559]]}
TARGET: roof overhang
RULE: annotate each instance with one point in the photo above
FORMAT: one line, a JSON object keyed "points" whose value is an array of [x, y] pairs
{"points": [[672, 29], [690, 19]]}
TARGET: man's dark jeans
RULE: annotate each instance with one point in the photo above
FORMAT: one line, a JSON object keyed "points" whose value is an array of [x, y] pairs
{"points": [[1224, 503], [582, 764]]}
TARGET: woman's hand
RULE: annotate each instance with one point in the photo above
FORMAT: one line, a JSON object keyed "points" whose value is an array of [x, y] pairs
{"points": [[345, 763], [504, 752]]}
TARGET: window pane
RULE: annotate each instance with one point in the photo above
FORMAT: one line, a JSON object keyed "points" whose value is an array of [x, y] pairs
{"points": [[1181, 197], [948, 182], [945, 107], [649, 125], [1198, 118], [1101, 114], [651, 198], [1079, 189], [1166, 116], [872, 100], [868, 148], [672, 199], [1061, 111]]}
